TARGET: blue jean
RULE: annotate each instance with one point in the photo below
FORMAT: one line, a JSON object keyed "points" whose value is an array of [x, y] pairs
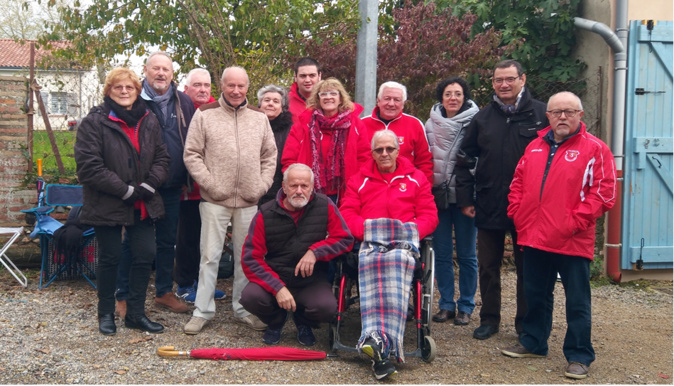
{"points": [[165, 230], [466, 234], [540, 276]]}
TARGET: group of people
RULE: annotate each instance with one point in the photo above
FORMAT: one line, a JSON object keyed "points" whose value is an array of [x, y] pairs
{"points": [[302, 179]]}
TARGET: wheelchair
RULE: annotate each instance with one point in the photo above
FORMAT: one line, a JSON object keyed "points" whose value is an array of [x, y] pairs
{"points": [[346, 278]]}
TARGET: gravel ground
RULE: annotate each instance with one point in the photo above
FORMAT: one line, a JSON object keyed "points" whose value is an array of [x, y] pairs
{"points": [[51, 337]]}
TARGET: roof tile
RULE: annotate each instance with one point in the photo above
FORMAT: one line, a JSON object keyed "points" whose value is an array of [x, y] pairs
{"points": [[17, 53]]}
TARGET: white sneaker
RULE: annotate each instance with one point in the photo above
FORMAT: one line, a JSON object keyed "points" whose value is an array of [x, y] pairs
{"points": [[253, 322], [195, 325]]}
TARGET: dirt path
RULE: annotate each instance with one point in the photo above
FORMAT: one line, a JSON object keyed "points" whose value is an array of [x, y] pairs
{"points": [[51, 336]]}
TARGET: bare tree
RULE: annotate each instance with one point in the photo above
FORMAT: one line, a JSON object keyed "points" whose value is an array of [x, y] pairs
{"points": [[26, 19]]}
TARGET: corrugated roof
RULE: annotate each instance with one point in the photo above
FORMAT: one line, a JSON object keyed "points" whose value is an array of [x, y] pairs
{"points": [[17, 54]]}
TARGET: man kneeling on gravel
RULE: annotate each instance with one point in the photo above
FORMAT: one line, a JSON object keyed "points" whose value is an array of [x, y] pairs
{"points": [[285, 257]]}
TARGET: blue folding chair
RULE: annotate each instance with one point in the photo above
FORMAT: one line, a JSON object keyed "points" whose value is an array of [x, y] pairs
{"points": [[57, 266]]}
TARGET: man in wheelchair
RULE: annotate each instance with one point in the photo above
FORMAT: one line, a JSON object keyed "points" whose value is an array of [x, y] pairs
{"points": [[285, 257], [389, 206]]}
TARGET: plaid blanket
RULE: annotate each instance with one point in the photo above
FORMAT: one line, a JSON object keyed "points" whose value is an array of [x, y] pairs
{"points": [[385, 269]]}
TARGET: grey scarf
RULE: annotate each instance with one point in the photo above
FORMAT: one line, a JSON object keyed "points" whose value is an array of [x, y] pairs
{"points": [[160, 100]]}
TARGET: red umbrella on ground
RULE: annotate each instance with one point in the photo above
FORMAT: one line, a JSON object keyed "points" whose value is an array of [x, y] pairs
{"points": [[250, 354]]}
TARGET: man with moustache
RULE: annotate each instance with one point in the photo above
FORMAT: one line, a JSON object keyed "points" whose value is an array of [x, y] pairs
{"points": [[231, 153], [174, 110], [286, 254]]}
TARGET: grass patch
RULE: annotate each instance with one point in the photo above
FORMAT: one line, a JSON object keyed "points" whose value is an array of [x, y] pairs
{"points": [[65, 141]]}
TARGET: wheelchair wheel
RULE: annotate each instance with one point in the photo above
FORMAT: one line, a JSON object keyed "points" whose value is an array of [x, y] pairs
{"points": [[428, 258], [429, 350]]}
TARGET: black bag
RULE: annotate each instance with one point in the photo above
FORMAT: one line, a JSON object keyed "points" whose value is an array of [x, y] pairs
{"points": [[441, 195]]}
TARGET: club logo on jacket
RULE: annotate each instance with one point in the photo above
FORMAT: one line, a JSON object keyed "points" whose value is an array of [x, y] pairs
{"points": [[403, 187], [401, 140], [571, 155]]}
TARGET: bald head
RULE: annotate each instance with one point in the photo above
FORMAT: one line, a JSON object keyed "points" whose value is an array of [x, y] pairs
{"points": [[234, 85]]}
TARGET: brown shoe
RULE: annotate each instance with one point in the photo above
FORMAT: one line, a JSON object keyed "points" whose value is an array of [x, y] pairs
{"points": [[576, 370], [518, 351], [120, 308], [443, 316], [462, 319], [170, 302]]}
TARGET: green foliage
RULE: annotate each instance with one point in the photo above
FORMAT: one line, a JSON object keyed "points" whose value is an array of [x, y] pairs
{"points": [[418, 46], [198, 33], [597, 267], [545, 28]]}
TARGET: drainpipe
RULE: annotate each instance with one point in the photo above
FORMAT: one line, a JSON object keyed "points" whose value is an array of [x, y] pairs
{"points": [[618, 43]]}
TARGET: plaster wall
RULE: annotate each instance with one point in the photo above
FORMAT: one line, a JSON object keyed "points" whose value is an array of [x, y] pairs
{"points": [[650, 10]]}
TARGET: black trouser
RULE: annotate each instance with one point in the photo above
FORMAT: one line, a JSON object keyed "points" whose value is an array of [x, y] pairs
{"points": [[490, 246], [142, 239], [188, 254], [315, 304]]}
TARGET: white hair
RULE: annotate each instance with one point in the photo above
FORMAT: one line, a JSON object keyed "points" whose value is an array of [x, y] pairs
{"points": [[224, 73], [298, 166], [198, 71], [395, 85], [273, 88], [580, 104], [384, 133]]}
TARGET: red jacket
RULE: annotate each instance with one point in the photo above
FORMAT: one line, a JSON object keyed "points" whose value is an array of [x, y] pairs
{"points": [[407, 197], [557, 211], [298, 145], [411, 137], [296, 104]]}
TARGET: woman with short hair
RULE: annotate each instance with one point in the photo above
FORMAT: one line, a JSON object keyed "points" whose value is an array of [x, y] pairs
{"points": [[121, 161], [273, 101]]}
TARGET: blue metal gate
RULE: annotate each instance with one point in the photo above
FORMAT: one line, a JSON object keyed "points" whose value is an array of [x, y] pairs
{"points": [[647, 231]]}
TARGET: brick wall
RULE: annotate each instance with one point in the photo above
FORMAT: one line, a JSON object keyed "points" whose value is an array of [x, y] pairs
{"points": [[15, 194]]}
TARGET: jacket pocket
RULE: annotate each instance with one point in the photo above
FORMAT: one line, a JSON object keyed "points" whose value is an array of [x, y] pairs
{"points": [[529, 130]]}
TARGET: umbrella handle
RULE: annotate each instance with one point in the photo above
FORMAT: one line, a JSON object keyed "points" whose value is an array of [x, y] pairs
{"points": [[170, 351]]}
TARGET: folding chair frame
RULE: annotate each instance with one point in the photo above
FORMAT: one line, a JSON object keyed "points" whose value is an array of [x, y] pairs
{"points": [[45, 227], [11, 267]]}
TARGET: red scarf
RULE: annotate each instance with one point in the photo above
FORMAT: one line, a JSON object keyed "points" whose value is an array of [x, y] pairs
{"points": [[328, 168]]}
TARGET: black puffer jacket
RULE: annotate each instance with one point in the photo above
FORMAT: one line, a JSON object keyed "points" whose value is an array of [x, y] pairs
{"points": [[281, 127], [497, 142], [107, 163]]}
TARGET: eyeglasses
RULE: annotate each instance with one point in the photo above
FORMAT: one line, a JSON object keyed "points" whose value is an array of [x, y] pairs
{"points": [[508, 80], [389, 150], [120, 88], [326, 94], [567, 113]]}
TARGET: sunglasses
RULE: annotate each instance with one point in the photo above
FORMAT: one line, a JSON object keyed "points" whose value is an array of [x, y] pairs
{"points": [[389, 150]]}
